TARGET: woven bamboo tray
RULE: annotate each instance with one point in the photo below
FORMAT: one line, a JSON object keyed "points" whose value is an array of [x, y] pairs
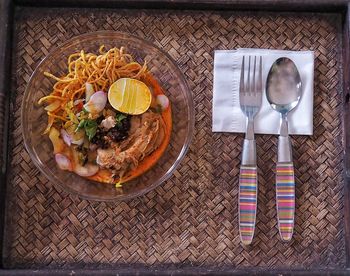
{"points": [[189, 224]]}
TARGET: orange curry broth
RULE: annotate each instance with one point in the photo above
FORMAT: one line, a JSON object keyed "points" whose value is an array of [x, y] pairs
{"points": [[105, 176]]}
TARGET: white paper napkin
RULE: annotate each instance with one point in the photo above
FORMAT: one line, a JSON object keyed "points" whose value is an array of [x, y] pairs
{"points": [[227, 114]]}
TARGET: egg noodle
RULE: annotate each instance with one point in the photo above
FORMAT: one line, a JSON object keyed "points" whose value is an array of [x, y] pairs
{"points": [[98, 70]]}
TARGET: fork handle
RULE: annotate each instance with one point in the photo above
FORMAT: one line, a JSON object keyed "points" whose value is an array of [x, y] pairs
{"points": [[248, 188], [249, 152], [247, 203]]}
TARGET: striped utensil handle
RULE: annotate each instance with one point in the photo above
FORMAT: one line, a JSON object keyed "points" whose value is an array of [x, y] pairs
{"points": [[247, 203], [285, 194]]}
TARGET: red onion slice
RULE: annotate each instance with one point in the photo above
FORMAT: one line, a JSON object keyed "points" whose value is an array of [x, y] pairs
{"points": [[97, 102], [87, 170], [89, 90], [78, 142], [163, 101], [63, 162], [66, 137]]}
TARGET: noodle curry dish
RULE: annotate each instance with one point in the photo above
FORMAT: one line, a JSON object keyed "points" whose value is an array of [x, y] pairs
{"points": [[108, 118]]}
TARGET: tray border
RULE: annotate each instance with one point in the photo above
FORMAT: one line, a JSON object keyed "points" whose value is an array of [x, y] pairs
{"points": [[7, 8], [6, 19]]}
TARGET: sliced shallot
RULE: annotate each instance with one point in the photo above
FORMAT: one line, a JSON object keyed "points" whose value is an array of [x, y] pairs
{"points": [[89, 90], [87, 170], [63, 162], [78, 142], [163, 101], [66, 137], [97, 102]]}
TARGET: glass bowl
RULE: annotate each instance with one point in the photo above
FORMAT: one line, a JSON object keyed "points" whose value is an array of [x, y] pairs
{"points": [[163, 68]]}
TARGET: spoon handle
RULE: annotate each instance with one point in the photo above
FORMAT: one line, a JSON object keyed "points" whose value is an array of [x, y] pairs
{"points": [[248, 185], [285, 189]]}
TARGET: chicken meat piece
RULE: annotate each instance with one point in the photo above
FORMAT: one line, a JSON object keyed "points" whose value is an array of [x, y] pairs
{"points": [[146, 133], [108, 123]]}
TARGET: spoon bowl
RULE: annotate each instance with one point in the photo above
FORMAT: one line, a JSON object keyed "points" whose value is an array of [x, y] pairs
{"points": [[283, 85]]}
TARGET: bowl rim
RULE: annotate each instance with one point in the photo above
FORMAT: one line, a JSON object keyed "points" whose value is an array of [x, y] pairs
{"points": [[190, 128]]}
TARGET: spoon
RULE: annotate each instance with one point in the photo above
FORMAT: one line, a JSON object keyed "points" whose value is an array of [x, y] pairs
{"points": [[283, 92]]}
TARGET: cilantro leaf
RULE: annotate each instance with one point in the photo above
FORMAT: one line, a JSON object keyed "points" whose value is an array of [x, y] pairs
{"points": [[90, 127], [119, 118], [80, 125]]}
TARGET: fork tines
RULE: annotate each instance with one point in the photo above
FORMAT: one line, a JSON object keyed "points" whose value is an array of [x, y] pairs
{"points": [[246, 85]]}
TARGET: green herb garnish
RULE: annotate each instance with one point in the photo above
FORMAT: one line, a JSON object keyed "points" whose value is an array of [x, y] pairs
{"points": [[90, 127], [119, 118]]}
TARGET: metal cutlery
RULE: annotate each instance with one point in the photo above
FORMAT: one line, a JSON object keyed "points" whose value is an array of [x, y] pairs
{"points": [[283, 91], [250, 97]]}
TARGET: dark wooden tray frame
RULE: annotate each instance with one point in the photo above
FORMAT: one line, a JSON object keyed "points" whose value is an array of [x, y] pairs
{"points": [[7, 8]]}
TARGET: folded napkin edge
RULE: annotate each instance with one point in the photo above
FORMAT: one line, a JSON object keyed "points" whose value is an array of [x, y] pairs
{"points": [[274, 51]]}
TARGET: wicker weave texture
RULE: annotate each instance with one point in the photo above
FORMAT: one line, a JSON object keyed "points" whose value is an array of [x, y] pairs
{"points": [[192, 218]]}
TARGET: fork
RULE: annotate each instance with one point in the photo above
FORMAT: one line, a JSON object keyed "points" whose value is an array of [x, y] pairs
{"points": [[250, 95]]}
